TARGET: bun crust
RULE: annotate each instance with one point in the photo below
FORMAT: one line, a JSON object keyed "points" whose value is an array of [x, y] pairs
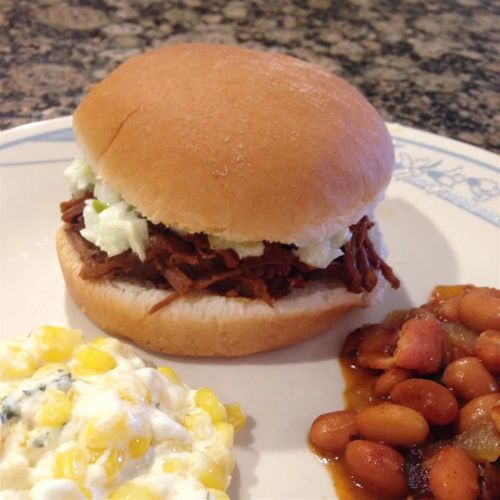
{"points": [[203, 324], [237, 143]]}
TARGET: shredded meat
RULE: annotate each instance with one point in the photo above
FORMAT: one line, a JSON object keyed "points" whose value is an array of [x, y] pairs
{"points": [[186, 262]]}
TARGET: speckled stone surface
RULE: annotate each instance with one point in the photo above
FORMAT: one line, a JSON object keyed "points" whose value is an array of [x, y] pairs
{"points": [[431, 64]]}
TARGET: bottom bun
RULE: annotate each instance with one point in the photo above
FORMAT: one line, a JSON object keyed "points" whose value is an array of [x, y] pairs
{"points": [[204, 324]]}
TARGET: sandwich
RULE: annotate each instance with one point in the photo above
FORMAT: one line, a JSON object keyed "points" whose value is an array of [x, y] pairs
{"points": [[223, 202]]}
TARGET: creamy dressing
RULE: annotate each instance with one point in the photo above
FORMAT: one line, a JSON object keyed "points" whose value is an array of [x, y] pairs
{"points": [[113, 402], [115, 226], [246, 249], [80, 176], [321, 253]]}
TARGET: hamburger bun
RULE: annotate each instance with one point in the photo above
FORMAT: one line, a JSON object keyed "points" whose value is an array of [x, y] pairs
{"points": [[204, 324], [235, 143]]}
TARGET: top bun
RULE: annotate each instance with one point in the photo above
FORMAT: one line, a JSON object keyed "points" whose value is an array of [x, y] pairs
{"points": [[241, 144]]}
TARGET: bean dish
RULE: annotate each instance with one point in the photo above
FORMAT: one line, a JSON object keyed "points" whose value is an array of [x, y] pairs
{"points": [[422, 416]]}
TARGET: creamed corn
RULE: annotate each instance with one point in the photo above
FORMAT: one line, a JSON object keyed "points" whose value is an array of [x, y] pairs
{"points": [[93, 421]]}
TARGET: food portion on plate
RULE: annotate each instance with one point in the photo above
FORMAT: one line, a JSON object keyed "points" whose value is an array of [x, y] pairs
{"points": [[422, 417], [92, 420], [224, 201]]}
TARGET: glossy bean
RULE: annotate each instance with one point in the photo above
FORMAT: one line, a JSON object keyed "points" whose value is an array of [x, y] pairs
{"points": [[331, 432], [479, 309], [389, 379], [469, 379], [453, 475], [435, 402], [420, 346], [392, 424], [377, 467], [448, 310], [487, 349], [476, 411]]}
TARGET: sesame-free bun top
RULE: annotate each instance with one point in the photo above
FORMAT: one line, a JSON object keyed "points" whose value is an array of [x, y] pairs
{"points": [[242, 144]]}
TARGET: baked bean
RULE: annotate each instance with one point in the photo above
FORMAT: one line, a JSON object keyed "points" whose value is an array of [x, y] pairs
{"points": [[446, 299], [331, 432], [420, 346], [377, 467], [476, 411], [375, 348], [479, 309], [393, 424], [390, 378], [435, 402], [487, 349], [453, 475], [448, 310], [469, 379]]}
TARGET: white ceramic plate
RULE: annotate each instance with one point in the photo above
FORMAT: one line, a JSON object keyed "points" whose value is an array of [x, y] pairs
{"points": [[440, 219]]}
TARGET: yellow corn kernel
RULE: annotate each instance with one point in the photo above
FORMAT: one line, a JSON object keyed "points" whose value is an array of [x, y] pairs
{"points": [[225, 434], [85, 491], [110, 434], [15, 362], [77, 372], [126, 396], [130, 491], [49, 368], [207, 400], [114, 463], [138, 447], [71, 464], [199, 424], [102, 342], [236, 416], [175, 466], [138, 393], [57, 343], [212, 475], [170, 374], [94, 359], [218, 494], [55, 411], [222, 456]]}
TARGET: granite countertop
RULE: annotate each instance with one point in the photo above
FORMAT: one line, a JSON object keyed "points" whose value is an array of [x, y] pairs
{"points": [[431, 64]]}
